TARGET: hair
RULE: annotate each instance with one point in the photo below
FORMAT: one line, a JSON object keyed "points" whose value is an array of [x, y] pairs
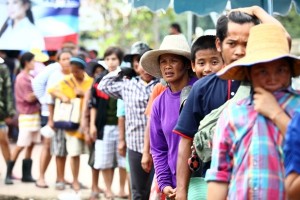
{"points": [[94, 51], [236, 17], [114, 50], [26, 57], [59, 53], [28, 14], [176, 26], [203, 43]]}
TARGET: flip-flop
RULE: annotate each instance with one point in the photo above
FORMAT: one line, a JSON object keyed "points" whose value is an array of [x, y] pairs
{"points": [[41, 186], [60, 186], [122, 197]]}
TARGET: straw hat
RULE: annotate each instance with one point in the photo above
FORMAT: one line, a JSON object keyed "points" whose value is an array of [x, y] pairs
{"points": [[174, 44], [39, 55], [266, 42]]}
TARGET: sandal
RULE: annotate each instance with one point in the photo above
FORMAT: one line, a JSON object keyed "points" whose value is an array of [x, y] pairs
{"points": [[60, 185], [94, 196]]}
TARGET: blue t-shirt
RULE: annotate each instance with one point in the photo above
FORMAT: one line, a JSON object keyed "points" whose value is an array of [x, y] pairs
{"points": [[207, 94], [120, 108]]}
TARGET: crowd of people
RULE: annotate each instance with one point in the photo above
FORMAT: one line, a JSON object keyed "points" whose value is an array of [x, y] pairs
{"points": [[217, 120]]}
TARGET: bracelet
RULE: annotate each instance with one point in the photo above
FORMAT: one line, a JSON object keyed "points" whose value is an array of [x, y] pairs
{"points": [[273, 118]]}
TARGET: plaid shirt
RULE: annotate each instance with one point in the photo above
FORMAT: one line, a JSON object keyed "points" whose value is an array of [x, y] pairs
{"points": [[247, 150], [135, 93]]}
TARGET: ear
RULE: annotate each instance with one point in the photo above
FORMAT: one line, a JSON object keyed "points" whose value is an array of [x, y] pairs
{"points": [[193, 66], [218, 45]]}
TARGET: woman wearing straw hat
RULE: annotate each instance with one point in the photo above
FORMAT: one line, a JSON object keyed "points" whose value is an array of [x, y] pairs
{"points": [[172, 62], [247, 159]]}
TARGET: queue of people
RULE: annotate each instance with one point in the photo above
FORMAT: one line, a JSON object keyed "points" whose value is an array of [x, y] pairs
{"points": [[219, 120]]}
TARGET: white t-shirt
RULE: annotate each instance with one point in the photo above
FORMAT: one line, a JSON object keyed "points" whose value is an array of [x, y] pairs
{"points": [[24, 36]]}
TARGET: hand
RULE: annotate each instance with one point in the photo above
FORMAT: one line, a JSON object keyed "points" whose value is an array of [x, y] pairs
{"points": [[8, 120], [88, 139], [50, 123], [248, 10], [265, 103], [79, 92], [93, 132], [122, 148], [147, 162], [31, 97], [169, 192], [65, 99]]}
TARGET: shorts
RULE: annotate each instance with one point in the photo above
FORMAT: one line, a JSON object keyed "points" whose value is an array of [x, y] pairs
{"points": [[75, 146], [3, 127], [106, 150], [29, 129], [58, 144]]}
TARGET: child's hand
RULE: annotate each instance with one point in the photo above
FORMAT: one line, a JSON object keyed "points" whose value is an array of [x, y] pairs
{"points": [[265, 103], [169, 192]]}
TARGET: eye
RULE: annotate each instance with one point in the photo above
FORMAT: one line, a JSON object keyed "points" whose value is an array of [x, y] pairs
{"points": [[215, 62]]}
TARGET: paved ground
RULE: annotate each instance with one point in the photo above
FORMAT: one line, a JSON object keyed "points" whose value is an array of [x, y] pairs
{"points": [[29, 191]]}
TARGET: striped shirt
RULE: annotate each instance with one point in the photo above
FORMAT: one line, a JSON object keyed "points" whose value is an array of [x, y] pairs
{"points": [[135, 93], [247, 150], [39, 85]]}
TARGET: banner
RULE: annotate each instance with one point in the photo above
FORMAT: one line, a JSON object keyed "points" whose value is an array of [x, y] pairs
{"points": [[43, 24]]}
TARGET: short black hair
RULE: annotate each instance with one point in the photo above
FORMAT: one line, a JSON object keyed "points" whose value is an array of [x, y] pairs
{"points": [[26, 57], [202, 43], [114, 50], [176, 26], [236, 17]]}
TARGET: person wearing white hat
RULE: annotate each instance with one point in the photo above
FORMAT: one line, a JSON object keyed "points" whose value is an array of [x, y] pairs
{"points": [[247, 159], [172, 62]]}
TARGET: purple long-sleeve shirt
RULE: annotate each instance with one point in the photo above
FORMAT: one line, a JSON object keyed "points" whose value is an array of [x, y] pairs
{"points": [[164, 143]]}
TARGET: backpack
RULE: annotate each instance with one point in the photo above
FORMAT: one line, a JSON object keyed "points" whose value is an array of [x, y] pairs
{"points": [[203, 138]]}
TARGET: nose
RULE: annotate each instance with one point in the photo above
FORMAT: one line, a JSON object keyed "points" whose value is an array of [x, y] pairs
{"points": [[240, 51], [206, 69]]}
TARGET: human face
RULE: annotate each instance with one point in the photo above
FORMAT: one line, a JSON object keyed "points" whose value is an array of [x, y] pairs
{"points": [[173, 68], [77, 72], [112, 62], [64, 61], [135, 63], [207, 61], [30, 64], [234, 45], [271, 76], [17, 9], [98, 71], [143, 74]]}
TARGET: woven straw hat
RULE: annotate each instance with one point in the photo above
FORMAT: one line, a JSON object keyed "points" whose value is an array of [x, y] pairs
{"points": [[266, 43], [173, 44]]}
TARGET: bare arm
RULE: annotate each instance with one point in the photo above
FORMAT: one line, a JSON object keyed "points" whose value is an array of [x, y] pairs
{"points": [[50, 117], [147, 158], [292, 185], [217, 191], [183, 172], [122, 143], [93, 128]]}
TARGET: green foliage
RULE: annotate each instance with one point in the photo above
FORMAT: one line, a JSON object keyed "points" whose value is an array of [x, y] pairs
{"points": [[291, 23]]}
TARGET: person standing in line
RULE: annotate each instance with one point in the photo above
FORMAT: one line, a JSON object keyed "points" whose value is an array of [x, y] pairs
{"points": [[247, 156], [28, 108], [135, 93], [104, 125], [54, 145], [211, 92], [7, 111], [71, 87]]}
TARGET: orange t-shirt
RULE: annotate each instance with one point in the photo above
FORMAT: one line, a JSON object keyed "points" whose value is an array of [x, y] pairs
{"points": [[157, 90]]}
